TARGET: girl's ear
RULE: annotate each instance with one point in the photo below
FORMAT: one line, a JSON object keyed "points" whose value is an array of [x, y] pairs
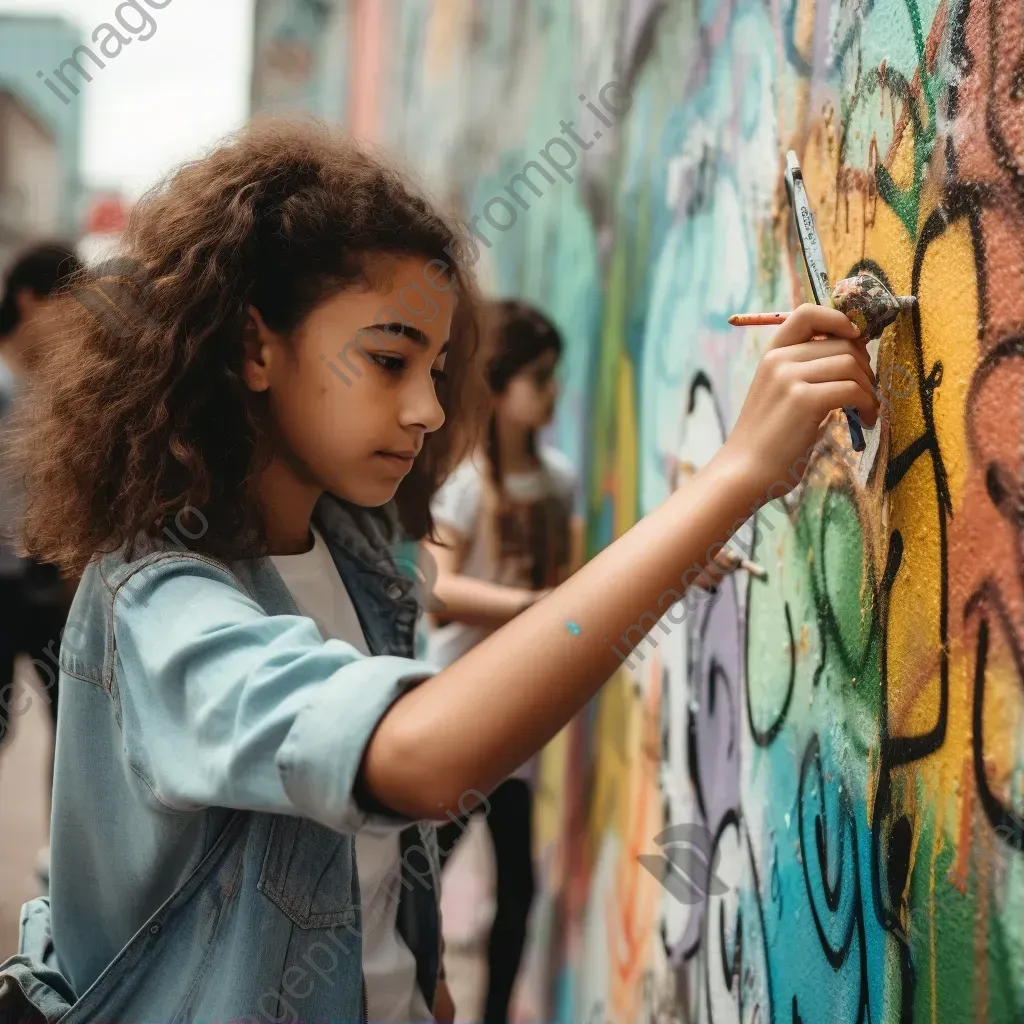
{"points": [[257, 340]]}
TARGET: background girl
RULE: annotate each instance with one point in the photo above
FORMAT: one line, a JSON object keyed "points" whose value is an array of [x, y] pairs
{"points": [[503, 539]]}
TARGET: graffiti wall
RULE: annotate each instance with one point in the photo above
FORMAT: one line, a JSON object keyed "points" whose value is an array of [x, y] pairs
{"points": [[847, 733]]}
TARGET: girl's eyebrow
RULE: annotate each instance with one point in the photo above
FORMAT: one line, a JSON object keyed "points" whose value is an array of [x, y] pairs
{"points": [[414, 334]]}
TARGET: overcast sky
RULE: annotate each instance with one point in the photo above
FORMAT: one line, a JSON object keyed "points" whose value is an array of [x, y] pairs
{"points": [[163, 100]]}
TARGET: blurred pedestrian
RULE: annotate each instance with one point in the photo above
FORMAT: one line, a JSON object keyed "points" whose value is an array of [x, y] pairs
{"points": [[34, 600], [503, 524]]}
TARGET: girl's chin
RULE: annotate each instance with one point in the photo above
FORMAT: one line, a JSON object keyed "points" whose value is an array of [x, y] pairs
{"points": [[370, 495]]}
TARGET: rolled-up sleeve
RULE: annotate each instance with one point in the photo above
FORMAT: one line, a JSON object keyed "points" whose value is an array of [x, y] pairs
{"points": [[223, 705]]}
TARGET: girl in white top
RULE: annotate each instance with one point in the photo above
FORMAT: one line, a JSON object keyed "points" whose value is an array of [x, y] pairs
{"points": [[503, 522]]}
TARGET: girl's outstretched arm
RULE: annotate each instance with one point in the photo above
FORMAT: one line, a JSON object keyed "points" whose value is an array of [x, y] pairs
{"points": [[476, 721]]}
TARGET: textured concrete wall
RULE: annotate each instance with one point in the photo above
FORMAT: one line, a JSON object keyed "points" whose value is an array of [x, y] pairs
{"points": [[849, 732]]}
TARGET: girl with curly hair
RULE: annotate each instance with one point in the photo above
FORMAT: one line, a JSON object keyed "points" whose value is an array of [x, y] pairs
{"points": [[245, 415]]}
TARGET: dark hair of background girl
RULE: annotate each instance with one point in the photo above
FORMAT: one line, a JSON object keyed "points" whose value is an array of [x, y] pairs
{"points": [[43, 270], [143, 413], [517, 334]]}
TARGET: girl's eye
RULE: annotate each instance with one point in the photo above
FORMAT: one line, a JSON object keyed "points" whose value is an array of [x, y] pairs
{"points": [[390, 364], [396, 364]]}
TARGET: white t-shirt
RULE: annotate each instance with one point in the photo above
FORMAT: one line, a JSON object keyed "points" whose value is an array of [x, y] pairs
{"points": [[389, 967], [525, 543]]}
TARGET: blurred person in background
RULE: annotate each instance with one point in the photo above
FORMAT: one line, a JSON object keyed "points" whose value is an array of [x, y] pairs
{"points": [[34, 599], [504, 525]]}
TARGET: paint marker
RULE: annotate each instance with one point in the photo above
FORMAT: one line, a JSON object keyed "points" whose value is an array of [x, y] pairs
{"points": [[758, 319], [766, 320], [754, 569], [814, 260]]}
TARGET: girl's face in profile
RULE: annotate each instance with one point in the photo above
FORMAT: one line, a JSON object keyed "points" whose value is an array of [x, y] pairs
{"points": [[528, 401], [354, 391]]}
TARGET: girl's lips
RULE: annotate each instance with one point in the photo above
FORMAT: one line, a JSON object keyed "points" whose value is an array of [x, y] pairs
{"points": [[403, 459]]}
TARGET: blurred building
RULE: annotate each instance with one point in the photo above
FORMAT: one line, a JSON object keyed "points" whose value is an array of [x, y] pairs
{"points": [[40, 135], [29, 174]]}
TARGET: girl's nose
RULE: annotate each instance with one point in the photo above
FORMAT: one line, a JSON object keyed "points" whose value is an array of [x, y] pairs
{"points": [[422, 407]]}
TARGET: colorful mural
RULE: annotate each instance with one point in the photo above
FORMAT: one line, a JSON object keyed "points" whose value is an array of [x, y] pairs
{"points": [[848, 732]]}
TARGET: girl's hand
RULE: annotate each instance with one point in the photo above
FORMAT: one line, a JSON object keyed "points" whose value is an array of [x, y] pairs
{"points": [[796, 385], [725, 562], [528, 598]]}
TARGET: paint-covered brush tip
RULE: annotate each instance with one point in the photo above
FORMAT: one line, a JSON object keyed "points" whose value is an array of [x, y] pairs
{"points": [[907, 302]]}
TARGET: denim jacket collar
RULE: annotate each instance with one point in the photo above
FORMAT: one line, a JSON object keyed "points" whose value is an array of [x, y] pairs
{"points": [[363, 543]]}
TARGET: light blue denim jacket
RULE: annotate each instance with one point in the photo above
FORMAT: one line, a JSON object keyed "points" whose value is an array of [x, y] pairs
{"points": [[202, 853]]}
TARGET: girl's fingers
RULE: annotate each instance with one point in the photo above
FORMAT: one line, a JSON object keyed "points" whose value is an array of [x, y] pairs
{"points": [[837, 394], [843, 366], [728, 559], [829, 347], [807, 320]]}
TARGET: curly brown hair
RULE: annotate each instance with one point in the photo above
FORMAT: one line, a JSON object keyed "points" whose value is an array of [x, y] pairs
{"points": [[141, 410]]}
